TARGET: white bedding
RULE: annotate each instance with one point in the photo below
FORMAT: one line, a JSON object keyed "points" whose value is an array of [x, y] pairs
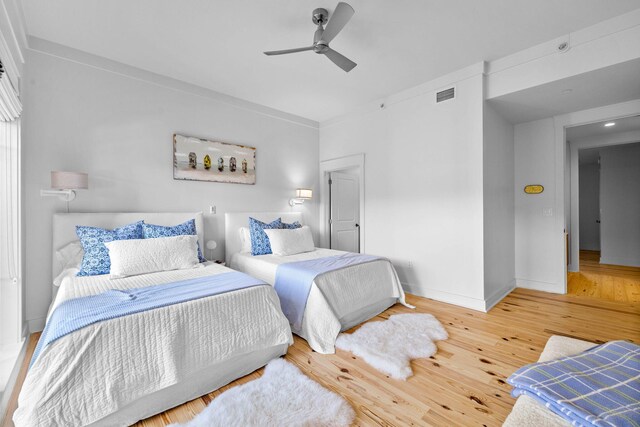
{"points": [[339, 299], [92, 373]]}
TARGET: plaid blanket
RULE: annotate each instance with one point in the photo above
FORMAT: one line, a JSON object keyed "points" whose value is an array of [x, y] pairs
{"points": [[599, 387]]}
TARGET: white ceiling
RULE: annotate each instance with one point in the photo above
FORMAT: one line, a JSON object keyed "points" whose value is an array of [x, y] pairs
{"points": [[626, 124], [605, 86], [397, 44]]}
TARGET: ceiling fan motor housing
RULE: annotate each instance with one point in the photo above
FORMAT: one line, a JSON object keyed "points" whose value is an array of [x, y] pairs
{"points": [[320, 16]]}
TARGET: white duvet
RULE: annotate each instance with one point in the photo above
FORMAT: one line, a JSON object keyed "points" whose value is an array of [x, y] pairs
{"points": [[101, 368], [338, 299]]}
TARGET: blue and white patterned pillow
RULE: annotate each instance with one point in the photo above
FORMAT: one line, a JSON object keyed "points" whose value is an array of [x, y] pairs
{"points": [[96, 255], [259, 240], [187, 228], [291, 226]]}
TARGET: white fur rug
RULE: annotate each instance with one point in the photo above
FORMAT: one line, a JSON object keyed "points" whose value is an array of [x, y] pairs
{"points": [[390, 345], [282, 396]]}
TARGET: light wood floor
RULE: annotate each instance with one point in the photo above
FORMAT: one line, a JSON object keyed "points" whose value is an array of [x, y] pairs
{"points": [[604, 281], [464, 383]]}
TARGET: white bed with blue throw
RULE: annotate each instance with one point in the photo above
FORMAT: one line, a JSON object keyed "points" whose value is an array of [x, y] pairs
{"points": [[117, 350], [322, 291]]}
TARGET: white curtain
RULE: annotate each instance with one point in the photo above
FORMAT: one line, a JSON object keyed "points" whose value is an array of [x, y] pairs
{"points": [[10, 262]]}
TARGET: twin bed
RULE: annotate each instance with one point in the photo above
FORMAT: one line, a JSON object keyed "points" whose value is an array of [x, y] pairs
{"points": [[126, 368], [338, 300]]}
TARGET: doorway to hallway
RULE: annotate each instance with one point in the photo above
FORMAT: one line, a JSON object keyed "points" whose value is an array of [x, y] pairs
{"points": [[604, 281]]}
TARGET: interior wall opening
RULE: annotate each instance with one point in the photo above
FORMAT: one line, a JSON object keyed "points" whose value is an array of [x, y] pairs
{"points": [[604, 220]]}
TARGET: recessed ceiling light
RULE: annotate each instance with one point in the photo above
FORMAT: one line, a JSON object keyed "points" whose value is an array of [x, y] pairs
{"points": [[607, 125], [566, 91]]}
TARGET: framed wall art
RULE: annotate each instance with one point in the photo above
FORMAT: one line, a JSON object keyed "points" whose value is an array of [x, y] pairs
{"points": [[197, 159]]}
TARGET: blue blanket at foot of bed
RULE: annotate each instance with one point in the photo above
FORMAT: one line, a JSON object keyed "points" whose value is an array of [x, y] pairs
{"points": [[78, 313], [599, 387], [294, 280]]}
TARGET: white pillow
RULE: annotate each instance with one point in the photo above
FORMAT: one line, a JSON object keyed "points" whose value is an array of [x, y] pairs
{"points": [[70, 255], [140, 256], [245, 239], [290, 241]]}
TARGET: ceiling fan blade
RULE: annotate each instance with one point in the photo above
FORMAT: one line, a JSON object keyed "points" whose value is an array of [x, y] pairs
{"points": [[338, 20], [282, 52], [340, 60]]}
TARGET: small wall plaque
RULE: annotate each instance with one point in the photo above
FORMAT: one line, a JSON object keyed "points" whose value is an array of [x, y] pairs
{"points": [[533, 189]]}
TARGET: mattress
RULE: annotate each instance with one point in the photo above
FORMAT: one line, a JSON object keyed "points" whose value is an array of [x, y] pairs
{"points": [[339, 299], [118, 371]]}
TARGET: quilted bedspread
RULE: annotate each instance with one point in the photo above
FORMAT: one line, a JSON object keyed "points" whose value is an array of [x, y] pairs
{"points": [[105, 366]]}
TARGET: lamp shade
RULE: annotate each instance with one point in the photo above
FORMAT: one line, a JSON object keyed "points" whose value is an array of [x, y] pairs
{"points": [[304, 193], [69, 180]]}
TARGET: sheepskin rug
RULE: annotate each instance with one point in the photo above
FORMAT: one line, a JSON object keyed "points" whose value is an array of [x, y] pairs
{"points": [[282, 396], [390, 345]]}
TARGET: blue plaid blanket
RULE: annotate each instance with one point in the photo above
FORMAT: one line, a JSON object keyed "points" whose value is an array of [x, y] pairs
{"points": [[599, 387]]}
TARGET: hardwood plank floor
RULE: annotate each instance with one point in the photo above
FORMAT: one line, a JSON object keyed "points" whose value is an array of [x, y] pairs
{"points": [[465, 382], [604, 281]]}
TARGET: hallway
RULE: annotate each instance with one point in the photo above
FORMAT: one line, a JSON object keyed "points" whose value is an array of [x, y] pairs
{"points": [[607, 282]]}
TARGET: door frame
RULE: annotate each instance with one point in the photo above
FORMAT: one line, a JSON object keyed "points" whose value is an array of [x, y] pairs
{"points": [[575, 147], [563, 217], [353, 162]]}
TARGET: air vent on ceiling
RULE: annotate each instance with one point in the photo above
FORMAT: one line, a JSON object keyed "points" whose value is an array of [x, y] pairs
{"points": [[446, 94]]}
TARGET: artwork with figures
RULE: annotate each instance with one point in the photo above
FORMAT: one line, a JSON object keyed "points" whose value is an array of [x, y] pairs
{"points": [[198, 159]]}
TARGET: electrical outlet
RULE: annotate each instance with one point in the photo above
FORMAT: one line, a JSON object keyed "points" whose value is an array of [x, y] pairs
{"points": [[410, 264], [212, 210], [547, 212]]}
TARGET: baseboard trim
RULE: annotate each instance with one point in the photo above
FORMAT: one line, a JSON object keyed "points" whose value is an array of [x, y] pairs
{"points": [[620, 261], [499, 295], [36, 325], [448, 297], [11, 383], [540, 286]]}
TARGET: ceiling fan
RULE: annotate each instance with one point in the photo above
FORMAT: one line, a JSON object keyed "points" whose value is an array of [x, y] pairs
{"points": [[323, 36]]}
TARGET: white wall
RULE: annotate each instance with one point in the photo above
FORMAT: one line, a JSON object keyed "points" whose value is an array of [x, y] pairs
{"points": [[535, 264], [423, 185], [620, 205], [499, 207], [589, 207], [541, 158], [119, 130]]}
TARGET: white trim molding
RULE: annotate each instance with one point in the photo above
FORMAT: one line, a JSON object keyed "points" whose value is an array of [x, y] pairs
{"points": [[618, 138], [70, 54], [334, 165], [561, 122], [446, 297], [499, 295], [539, 286]]}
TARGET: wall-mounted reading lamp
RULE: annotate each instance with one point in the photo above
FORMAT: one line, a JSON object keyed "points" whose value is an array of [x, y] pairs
{"points": [[64, 184], [302, 194]]}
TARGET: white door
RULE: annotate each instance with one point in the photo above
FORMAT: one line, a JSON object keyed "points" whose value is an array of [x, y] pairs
{"points": [[345, 211]]}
